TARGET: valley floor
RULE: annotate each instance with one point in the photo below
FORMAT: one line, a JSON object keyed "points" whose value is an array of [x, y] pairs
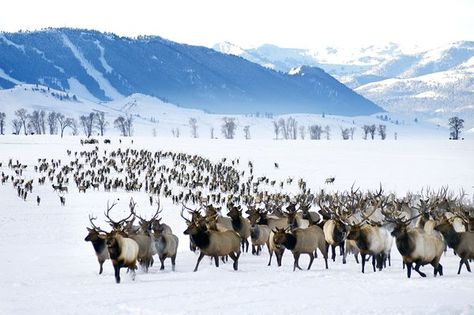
{"points": [[47, 267]]}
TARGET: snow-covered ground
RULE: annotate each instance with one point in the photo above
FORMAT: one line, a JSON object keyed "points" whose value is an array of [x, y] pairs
{"points": [[153, 116], [47, 267]]}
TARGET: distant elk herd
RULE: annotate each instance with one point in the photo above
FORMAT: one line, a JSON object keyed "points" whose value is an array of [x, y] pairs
{"points": [[228, 209]]}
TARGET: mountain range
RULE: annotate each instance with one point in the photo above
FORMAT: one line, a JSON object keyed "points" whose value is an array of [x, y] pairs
{"points": [[433, 83], [106, 67]]}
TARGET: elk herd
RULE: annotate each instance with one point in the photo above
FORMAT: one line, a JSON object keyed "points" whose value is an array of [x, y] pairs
{"points": [[227, 210]]}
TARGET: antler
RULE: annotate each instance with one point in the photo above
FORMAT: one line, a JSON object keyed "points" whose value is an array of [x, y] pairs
{"points": [[98, 229], [118, 224], [182, 210]]}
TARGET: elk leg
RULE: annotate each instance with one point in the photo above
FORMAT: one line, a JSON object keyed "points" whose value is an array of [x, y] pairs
{"points": [[201, 255], [162, 260], [373, 262], [173, 262], [279, 256], [216, 260], [270, 252], [440, 269], [295, 264], [356, 257], [254, 251], [466, 262], [363, 262], [461, 262], [409, 265], [101, 262], [333, 252], [133, 273], [117, 273], [246, 245], [417, 269], [341, 249], [235, 258], [311, 259]]}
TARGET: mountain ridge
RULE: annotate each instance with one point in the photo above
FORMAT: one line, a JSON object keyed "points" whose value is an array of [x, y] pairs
{"points": [[105, 66]]}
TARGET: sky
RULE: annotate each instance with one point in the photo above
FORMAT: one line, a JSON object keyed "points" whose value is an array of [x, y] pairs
{"points": [[250, 23]]}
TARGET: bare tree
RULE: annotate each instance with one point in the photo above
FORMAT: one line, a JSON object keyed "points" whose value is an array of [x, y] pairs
{"points": [[345, 133], [283, 129], [16, 124], [42, 121], [65, 122], [120, 124], [194, 127], [366, 129], [372, 129], [124, 125], [327, 131], [22, 115], [2, 123], [34, 122], [52, 123], [456, 124], [87, 123], [129, 124], [302, 130], [276, 129], [247, 132], [382, 131], [228, 127], [175, 132], [315, 132], [352, 130], [74, 127], [292, 128], [100, 122]]}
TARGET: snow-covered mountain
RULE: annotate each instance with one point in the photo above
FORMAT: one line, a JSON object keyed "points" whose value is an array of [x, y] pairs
{"points": [[153, 116], [434, 84], [99, 66]]}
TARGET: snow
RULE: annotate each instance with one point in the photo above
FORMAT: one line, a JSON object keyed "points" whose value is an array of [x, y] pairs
{"points": [[104, 84], [48, 268], [104, 63], [153, 115], [78, 88], [5, 76]]}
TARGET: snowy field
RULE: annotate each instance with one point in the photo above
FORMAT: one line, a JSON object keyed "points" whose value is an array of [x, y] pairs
{"points": [[47, 267]]}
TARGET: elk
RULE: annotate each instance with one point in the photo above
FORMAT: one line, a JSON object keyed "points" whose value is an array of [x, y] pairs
{"points": [[416, 245], [461, 242], [241, 225], [98, 242], [302, 241], [213, 243], [259, 235], [123, 251], [371, 239], [166, 246], [143, 239], [261, 218]]}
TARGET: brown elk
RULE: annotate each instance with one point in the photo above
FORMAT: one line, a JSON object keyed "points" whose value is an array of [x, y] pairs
{"points": [[213, 243]]}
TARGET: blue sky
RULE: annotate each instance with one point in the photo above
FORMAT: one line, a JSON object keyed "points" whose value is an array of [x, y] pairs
{"points": [[297, 23]]}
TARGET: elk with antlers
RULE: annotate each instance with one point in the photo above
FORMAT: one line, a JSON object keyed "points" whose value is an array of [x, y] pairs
{"points": [[370, 238], [123, 251], [461, 242], [415, 244], [98, 242], [213, 243]]}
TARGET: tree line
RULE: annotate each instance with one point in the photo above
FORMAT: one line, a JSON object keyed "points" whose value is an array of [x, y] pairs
{"points": [[41, 122]]}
